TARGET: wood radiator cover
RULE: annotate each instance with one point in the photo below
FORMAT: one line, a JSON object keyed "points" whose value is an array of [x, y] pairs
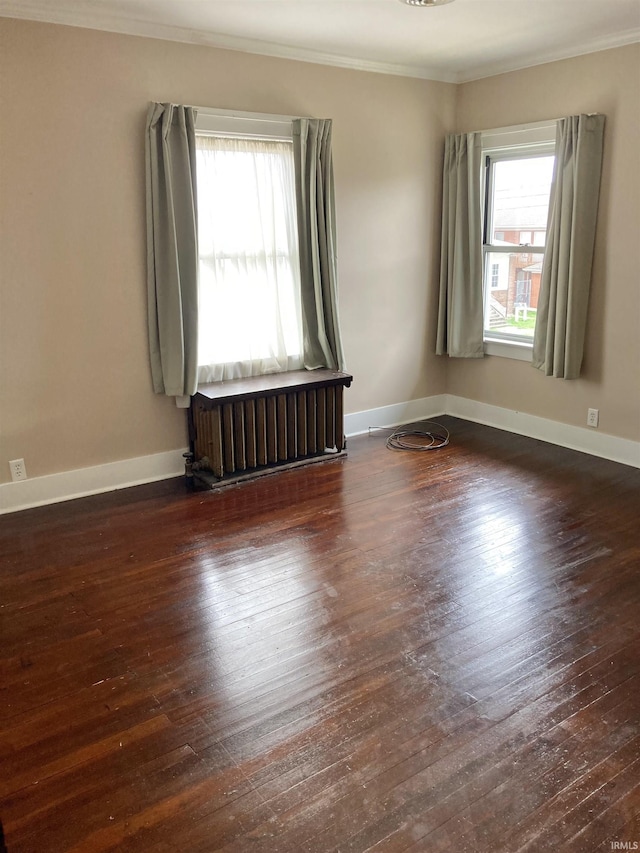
{"points": [[248, 426]]}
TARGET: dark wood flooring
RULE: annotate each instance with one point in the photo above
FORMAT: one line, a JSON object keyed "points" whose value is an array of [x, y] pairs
{"points": [[394, 651]]}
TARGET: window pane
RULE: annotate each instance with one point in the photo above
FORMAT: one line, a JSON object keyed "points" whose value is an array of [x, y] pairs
{"points": [[511, 301], [520, 200]]}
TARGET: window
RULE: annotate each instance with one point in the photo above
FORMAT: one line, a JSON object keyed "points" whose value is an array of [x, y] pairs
{"points": [[518, 172], [495, 276], [249, 279]]}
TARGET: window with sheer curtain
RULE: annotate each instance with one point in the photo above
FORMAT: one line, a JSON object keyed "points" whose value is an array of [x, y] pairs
{"points": [[249, 278]]}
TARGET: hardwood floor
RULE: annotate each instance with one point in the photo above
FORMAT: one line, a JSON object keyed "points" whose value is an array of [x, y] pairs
{"points": [[390, 652]]}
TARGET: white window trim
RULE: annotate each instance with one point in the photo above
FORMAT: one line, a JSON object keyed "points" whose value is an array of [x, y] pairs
{"points": [[533, 138], [240, 124], [519, 135], [519, 350], [236, 124]]}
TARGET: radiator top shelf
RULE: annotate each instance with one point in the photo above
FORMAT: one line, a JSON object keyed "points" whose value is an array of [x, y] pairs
{"points": [[252, 387]]}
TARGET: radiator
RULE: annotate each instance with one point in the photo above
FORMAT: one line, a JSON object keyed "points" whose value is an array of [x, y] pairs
{"points": [[255, 424]]}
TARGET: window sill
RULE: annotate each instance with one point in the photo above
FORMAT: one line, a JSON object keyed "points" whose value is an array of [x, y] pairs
{"points": [[509, 349]]}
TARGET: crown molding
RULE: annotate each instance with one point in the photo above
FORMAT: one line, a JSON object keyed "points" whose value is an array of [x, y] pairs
{"points": [[35, 10], [595, 45], [27, 10]]}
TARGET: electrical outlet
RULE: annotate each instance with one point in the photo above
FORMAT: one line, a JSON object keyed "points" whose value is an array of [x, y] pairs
{"points": [[18, 470], [592, 417]]}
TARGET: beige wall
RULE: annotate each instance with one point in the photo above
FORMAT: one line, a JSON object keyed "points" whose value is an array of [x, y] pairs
{"points": [[606, 82], [75, 388]]}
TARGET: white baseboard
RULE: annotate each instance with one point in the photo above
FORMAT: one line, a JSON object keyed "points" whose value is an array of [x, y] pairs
{"points": [[54, 488], [572, 437], [67, 485], [565, 435], [358, 423]]}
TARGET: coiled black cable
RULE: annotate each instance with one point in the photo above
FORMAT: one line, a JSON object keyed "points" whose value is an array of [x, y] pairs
{"points": [[424, 435]]}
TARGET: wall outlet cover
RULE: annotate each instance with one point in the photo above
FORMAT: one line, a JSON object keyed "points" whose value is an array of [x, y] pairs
{"points": [[18, 470]]}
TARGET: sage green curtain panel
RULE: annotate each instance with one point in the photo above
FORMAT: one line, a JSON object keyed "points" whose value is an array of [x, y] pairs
{"points": [[316, 215], [566, 271], [460, 324], [172, 249]]}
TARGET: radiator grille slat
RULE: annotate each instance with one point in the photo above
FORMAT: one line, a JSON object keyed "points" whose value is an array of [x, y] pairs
{"points": [[272, 430], [291, 415], [261, 431], [331, 418], [339, 419], [239, 439], [251, 435], [227, 437], [268, 429], [311, 421], [281, 417], [321, 419], [302, 423]]}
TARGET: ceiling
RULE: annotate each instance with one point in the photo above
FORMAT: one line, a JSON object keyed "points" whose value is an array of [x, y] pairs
{"points": [[464, 40]]}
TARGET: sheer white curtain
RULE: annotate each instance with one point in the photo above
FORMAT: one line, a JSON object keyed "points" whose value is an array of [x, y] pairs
{"points": [[249, 275]]}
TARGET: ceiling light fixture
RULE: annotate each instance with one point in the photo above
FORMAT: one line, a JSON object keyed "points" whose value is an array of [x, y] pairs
{"points": [[425, 2]]}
